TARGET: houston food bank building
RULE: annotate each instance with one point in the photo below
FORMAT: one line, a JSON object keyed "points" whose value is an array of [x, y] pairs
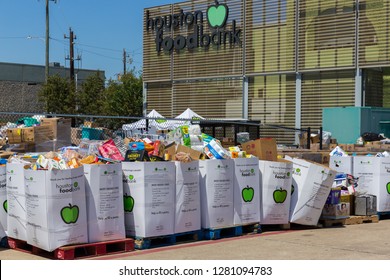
{"points": [[277, 61]]}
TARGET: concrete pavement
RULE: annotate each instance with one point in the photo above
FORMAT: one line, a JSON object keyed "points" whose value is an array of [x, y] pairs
{"points": [[369, 241]]}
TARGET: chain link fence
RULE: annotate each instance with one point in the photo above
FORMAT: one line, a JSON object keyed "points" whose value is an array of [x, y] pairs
{"points": [[72, 129]]}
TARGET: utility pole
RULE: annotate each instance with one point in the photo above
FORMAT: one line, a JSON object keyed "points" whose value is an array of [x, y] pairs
{"points": [[125, 57], [71, 53], [47, 41], [124, 62]]}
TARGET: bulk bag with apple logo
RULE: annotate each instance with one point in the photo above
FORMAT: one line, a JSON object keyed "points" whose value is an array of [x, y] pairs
{"points": [[374, 179], [216, 189], [311, 185], [3, 201], [56, 208], [149, 198], [16, 201], [187, 201], [275, 194], [104, 194], [341, 164], [246, 191]]}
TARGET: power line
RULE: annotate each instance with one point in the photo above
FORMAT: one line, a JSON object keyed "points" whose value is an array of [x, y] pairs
{"points": [[101, 48]]}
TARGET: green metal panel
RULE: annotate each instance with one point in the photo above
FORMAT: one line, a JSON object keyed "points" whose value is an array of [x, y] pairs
{"points": [[347, 124], [343, 123]]}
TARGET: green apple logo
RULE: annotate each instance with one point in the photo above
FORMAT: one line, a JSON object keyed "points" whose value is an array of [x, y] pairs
{"points": [[217, 15], [388, 188], [5, 206], [131, 177], [247, 194], [280, 195], [128, 203], [70, 214]]}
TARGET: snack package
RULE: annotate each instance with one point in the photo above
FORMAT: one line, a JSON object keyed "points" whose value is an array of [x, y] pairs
{"points": [[338, 152], [109, 150], [215, 151]]}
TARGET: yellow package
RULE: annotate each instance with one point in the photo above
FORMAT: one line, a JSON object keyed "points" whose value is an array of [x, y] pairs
{"points": [[73, 163], [88, 160]]}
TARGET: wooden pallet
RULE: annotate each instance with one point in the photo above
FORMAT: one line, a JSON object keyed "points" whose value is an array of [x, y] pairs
{"points": [[275, 227], [383, 215], [218, 233], [78, 251], [142, 243], [251, 229], [332, 222], [189, 236], [356, 220]]}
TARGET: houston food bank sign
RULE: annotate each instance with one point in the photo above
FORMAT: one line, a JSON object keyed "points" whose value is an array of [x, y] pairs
{"points": [[217, 16]]}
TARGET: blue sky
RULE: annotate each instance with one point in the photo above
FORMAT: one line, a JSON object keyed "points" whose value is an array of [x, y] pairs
{"points": [[103, 29]]}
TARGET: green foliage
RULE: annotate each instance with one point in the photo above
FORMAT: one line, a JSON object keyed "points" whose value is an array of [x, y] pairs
{"points": [[58, 96], [123, 99], [90, 97]]}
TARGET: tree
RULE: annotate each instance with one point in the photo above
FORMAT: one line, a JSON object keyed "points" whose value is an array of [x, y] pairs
{"points": [[58, 96], [124, 98], [90, 97]]}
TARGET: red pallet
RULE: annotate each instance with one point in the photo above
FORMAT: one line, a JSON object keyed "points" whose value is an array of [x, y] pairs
{"points": [[78, 251]]}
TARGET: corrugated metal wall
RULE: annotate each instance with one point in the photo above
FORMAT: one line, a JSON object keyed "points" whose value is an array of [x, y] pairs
{"points": [[326, 41]]}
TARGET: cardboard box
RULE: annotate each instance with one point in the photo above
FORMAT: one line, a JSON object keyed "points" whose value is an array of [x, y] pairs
{"points": [[16, 202], [195, 155], [246, 191], [37, 134], [14, 135], [341, 164], [325, 158], [171, 150], [56, 208], [365, 205], [5, 155], [275, 194], [90, 124], [216, 189], [374, 178], [149, 195], [332, 146], [303, 140], [315, 138], [336, 211], [61, 128], [3, 200], [105, 211], [350, 198], [24, 147], [187, 202], [312, 183], [315, 147], [334, 196], [263, 148]]}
